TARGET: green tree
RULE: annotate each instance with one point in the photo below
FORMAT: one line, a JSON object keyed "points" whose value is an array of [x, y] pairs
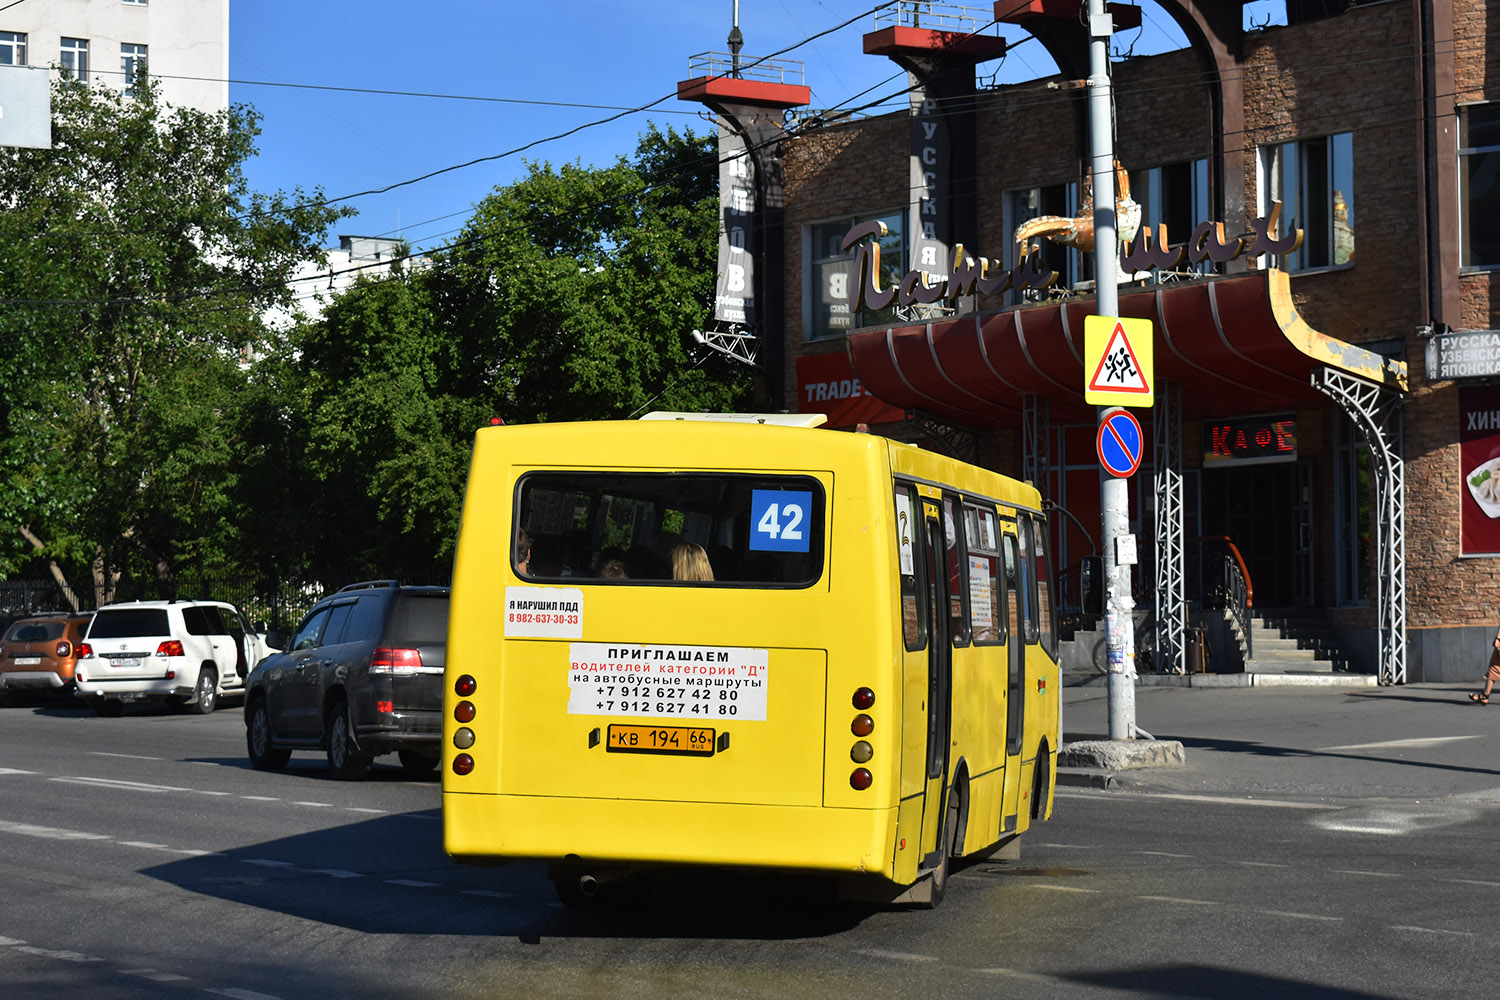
{"points": [[135, 268], [567, 297]]}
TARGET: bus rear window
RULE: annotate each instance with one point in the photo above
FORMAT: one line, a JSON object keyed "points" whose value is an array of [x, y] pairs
{"points": [[701, 529]]}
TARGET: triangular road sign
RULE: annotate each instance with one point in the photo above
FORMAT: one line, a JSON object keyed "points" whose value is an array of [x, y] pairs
{"points": [[1118, 356]]}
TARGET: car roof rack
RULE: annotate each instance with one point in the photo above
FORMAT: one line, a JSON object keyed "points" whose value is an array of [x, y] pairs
{"points": [[371, 585]]}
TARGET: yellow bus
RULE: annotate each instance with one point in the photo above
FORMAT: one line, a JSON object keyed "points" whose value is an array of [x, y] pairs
{"points": [[851, 670]]}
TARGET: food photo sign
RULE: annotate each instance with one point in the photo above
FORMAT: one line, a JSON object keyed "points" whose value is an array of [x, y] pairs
{"points": [[1479, 453]]}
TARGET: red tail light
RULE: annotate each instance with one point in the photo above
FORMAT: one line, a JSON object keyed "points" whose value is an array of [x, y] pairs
{"points": [[386, 660], [64, 650], [84, 649], [169, 647]]}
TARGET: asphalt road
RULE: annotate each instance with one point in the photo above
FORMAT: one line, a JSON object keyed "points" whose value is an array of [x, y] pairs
{"points": [[1300, 853]]}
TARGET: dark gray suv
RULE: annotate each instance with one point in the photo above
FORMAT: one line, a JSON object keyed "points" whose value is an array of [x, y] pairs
{"points": [[361, 676]]}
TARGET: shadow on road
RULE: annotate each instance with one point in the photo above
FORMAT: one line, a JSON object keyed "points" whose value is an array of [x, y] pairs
{"points": [[1202, 982], [389, 875]]}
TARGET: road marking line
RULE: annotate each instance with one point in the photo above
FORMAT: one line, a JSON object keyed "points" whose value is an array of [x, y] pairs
{"points": [[364, 809], [66, 956], [133, 786], [1061, 888], [899, 956], [127, 756], [14, 770], [261, 798], [1469, 881], [1432, 930], [1164, 854], [1300, 916], [1179, 899], [1259, 864], [320, 805], [50, 832], [208, 791], [154, 975], [1120, 794], [336, 873], [6, 942], [238, 994], [1356, 871], [268, 863], [1411, 744], [412, 883], [142, 843]]}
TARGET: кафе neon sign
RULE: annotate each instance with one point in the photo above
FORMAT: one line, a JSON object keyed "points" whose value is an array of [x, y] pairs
{"points": [[986, 276]]}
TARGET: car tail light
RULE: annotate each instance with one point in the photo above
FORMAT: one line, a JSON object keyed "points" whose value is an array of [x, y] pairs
{"points": [[385, 707], [64, 650], [170, 647], [386, 660], [85, 650]]}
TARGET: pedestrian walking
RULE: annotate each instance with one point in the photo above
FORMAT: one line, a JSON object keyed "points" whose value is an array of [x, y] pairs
{"points": [[1491, 676]]}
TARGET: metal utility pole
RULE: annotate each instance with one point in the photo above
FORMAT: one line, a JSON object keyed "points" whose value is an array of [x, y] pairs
{"points": [[736, 40], [1114, 495]]}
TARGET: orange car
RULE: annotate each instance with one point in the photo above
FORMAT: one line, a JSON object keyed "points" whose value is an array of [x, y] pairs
{"points": [[39, 653]]}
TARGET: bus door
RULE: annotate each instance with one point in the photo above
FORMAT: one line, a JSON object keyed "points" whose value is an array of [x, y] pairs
{"points": [[939, 677], [1016, 601]]}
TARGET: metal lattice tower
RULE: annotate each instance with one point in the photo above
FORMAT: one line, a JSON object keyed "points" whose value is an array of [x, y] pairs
{"points": [[1377, 413], [1171, 605]]}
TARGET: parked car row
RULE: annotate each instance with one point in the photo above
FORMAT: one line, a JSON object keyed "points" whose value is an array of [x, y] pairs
{"points": [[361, 675]]}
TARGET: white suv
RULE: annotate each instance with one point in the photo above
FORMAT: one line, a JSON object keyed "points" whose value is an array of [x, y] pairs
{"points": [[184, 652]]}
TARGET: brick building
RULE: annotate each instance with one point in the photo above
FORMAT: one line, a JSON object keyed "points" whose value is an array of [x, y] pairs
{"points": [[1364, 361]]}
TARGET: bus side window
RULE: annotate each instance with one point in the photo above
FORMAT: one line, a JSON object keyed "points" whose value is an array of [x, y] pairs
{"points": [[980, 531], [1045, 624], [1028, 582], [913, 616], [957, 590]]}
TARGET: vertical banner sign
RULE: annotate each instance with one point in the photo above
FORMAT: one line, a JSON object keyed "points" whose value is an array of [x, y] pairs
{"points": [[931, 174], [734, 296], [1479, 460]]}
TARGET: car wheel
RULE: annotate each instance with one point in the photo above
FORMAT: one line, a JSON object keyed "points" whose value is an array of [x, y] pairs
{"points": [[417, 762], [344, 758], [263, 755], [206, 692], [110, 708]]}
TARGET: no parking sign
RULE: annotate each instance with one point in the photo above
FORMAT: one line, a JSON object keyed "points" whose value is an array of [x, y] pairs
{"points": [[1119, 442]]}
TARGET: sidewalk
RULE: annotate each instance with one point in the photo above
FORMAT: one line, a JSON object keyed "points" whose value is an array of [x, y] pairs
{"points": [[1407, 742]]}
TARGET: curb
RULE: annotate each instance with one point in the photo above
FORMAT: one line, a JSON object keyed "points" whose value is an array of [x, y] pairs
{"points": [[1231, 680]]}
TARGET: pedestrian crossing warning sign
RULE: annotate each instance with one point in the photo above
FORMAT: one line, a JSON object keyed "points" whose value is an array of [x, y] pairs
{"points": [[1117, 361]]}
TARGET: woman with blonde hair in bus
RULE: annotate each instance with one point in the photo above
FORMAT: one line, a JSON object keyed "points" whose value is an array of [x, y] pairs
{"points": [[690, 562]]}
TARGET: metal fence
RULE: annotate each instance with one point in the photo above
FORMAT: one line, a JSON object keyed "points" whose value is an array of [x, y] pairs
{"points": [[279, 603]]}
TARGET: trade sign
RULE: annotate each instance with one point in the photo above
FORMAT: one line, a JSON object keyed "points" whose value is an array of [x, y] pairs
{"points": [[1119, 442], [1117, 361]]}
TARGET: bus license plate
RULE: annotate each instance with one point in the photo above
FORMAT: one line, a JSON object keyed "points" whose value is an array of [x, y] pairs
{"points": [[690, 741]]}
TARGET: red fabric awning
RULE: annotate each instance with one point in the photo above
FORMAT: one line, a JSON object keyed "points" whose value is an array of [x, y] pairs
{"points": [[1234, 345]]}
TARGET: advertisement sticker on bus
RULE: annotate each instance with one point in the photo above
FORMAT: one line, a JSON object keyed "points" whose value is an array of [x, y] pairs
{"points": [[543, 613], [656, 681], [903, 533], [780, 520]]}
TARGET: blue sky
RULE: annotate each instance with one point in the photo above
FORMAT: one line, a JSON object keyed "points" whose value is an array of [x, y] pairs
{"points": [[496, 61]]}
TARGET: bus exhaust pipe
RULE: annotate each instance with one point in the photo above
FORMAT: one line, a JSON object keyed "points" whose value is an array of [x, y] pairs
{"points": [[588, 885]]}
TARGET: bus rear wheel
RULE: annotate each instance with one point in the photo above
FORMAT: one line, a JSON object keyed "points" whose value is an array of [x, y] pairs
{"points": [[939, 877]]}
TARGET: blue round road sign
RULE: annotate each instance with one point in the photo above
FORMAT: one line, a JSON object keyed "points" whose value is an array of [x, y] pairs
{"points": [[1119, 443]]}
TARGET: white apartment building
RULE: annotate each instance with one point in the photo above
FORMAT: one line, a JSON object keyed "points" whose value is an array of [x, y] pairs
{"points": [[186, 43]]}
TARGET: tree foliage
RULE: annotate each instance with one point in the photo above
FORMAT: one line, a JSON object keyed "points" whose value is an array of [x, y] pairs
{"points": [[135, 267]]}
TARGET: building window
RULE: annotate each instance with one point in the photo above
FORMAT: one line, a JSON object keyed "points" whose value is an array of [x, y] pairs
{"points": [[830, 275], [74, 58], [1479, 184], [1174, 195], [132, 64], [12, 48], [1314, 181], [1025, 204]]}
